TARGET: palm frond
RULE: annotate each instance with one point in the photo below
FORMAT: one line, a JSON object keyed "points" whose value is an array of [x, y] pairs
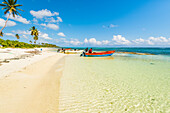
{"points": [[15, 2], [2, 5], [17, 5], [17, 13], [6, 11], [5, 8], [19, 9]]}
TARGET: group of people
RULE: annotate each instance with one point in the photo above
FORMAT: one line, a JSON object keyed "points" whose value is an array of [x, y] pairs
{"points": [[86, 51]]}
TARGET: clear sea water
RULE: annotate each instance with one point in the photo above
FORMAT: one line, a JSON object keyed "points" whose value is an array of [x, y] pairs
{"points": [[117, 84], [155, 50]]}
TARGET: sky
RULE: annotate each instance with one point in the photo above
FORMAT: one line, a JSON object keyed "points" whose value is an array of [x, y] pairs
{"points": [[95, 23]]}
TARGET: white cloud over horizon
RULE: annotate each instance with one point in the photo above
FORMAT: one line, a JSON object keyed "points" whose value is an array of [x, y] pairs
{"points": [[117, 40], [120, 40]]}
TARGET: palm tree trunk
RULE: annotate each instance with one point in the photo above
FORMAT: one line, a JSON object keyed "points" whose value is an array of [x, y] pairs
{"points": [[5, 22]]}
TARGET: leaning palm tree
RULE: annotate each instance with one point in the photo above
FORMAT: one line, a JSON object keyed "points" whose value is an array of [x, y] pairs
{"points": [[35, 33], [11, 7], [1, 34], [17, 36]]}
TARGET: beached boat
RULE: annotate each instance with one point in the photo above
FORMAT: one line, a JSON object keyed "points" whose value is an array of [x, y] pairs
{"points": [[99, 54], [74, 52]]}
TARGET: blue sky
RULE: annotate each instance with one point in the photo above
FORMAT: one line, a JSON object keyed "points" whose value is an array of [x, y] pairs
{"points": [[93, 22]]}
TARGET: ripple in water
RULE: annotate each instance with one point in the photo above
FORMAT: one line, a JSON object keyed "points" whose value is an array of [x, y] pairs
{"points": [[114, 85]]}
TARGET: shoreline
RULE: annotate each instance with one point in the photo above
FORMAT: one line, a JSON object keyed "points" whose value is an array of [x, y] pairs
{"points": [[34, 88]]}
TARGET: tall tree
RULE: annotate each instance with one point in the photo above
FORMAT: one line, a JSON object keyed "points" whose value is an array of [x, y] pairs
{"points": [[17, 36], [35, 33], [10, 7]]}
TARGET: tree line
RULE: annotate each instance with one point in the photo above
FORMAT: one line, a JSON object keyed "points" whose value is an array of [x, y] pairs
{"points": [[11, 7], [17, 44]]}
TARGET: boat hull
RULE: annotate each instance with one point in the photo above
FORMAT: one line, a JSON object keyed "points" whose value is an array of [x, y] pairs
{"points": [[103, 55], [99, 54]]}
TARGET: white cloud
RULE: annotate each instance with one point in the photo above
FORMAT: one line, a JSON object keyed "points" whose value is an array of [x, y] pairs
{"points": [[138, 41], [71, 41], [35, 20], [75, 42], [43, 13], [9, 23], [19, 19], [93, 41], [22, 32], [9, 34], [25, 36], [51, 19], [105, 42], [86, 41], [44, 36], [51, 26], [61, 34], [152, 41], [59, 19], [119, 40], [110, 26]]}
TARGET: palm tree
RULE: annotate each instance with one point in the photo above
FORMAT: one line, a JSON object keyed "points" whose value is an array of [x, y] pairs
{"points": [[11, 7], [35, 38], [1, 34], [30, 41], [17, 36], [35, 33]]}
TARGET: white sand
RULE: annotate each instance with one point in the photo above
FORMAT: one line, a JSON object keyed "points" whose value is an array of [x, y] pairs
{"points": [[16, 65], [33, 89]]}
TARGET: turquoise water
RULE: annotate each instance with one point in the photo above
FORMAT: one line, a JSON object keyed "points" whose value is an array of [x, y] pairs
{"points": [[156, 51], [118, 84]]}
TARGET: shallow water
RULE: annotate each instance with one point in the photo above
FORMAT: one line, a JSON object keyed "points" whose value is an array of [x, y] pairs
{"points": [[115, 84]]}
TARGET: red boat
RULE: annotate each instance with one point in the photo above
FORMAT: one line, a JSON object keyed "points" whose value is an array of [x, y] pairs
{"points": [[99, 54]]}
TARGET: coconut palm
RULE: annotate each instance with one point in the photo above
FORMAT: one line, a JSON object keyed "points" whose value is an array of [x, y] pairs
{"points": [[35, 33], [35, 38], [10, 7], [1, 34], [17, 36]]}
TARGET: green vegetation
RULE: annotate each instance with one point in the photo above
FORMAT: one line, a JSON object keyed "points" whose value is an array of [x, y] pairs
{"points": [[10, 7], [17, 44]]}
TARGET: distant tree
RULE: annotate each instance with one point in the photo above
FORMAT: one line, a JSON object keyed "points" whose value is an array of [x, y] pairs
{"points": [[35, 33], [17, 36], [1, 34], [30, 41], [11, 7]]}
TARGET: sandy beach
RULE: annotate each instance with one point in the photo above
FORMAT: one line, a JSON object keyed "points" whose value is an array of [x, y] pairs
{"points": [[32, 86]]}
